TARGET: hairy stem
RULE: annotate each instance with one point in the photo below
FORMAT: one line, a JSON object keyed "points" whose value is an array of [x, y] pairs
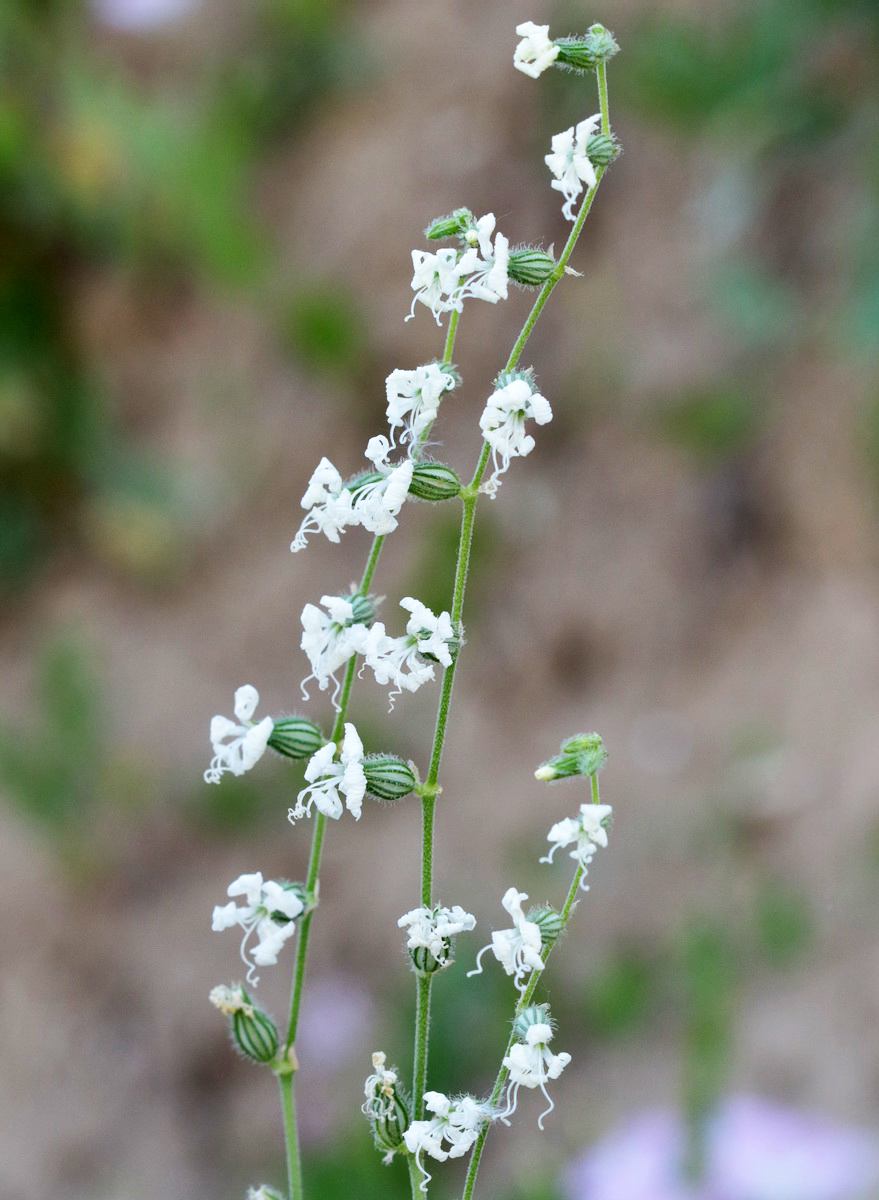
{"points": [[291, 1137]]}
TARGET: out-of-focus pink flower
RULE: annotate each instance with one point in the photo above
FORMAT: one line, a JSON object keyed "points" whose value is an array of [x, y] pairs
{"points": [[755, 1151], [136, 16]]}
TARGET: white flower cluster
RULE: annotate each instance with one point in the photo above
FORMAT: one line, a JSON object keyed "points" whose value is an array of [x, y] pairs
{"points": [[270, 910], [536, 51], [570, 163], [238, 745], [457, 1122], [431, 928], [444, 280], [503, 424], [330, 778], [414, 399], [517, 949], [400, 661], [531, 1064], [585, 833], [334, 505]]}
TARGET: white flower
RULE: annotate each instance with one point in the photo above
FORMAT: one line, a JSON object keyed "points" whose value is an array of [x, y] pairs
{"points": [[230, 1000], [437, 278], [379, 1086], [489, 278], [531, 1064], [263, 1193], [457, 1122], [399, 660], [238, 745], [414, 400], [432, 928], [377, 503], [517, 949], [329, 780], [503, 425], [536, 51], [270, 908], [373, 503], [585, 833], [570, 163], [329, 503], [329, 639]]}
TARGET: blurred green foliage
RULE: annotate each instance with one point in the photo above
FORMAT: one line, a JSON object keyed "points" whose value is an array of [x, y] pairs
{"points": [[102, 173]]}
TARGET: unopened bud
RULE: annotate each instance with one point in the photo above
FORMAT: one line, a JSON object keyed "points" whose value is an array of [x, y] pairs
{"points": [[294, 737], [602, 149], [434, 481], [581, 755], [585, 53], [253, 1030], [530, 266], [455, 223], [534, 1014], [549, 922], [389, 777]]}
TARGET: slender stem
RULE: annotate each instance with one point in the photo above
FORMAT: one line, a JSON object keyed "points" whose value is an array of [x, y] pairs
{"points": [[320, 822], [291, 1138], [422, 1028], [415, 1177], [526, 998], [602, 97], [449, 347]]}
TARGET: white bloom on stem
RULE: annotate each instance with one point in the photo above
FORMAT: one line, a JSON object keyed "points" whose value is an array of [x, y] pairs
{"points": [[414, 400], [431, 928], [585, 833], [399, 661], [531, 1064], [270, 909], [437, 278], [517, 949], [377, 503], [503, 425], [230, 1000], [329, 503], [570, 163], [457, 1122], [330, 778], [238, 745], [489, 279], [536, 51], [329, 639], [379, 1086]]}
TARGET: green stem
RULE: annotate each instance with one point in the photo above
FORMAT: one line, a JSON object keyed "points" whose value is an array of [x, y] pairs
{"points": [[449, 347], [291, 1137], [320, 822], [526, 998], [422, 1029], [415, 1177]]}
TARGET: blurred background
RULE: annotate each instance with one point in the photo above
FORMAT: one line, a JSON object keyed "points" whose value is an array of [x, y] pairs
{"points": [[206, 215]]}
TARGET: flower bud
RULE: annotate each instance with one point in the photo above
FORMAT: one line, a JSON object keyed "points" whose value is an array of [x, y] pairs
{"points": [[585, 53], [549, 922], [434, 481], [581, 755], [389, 777], [530, 266], [602, 149], [264, 1193], [294, 737], [457, 222], [253, 1030], [534, 1014]]}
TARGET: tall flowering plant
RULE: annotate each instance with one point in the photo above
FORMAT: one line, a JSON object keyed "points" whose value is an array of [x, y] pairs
{"points": [[341, 635]]}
